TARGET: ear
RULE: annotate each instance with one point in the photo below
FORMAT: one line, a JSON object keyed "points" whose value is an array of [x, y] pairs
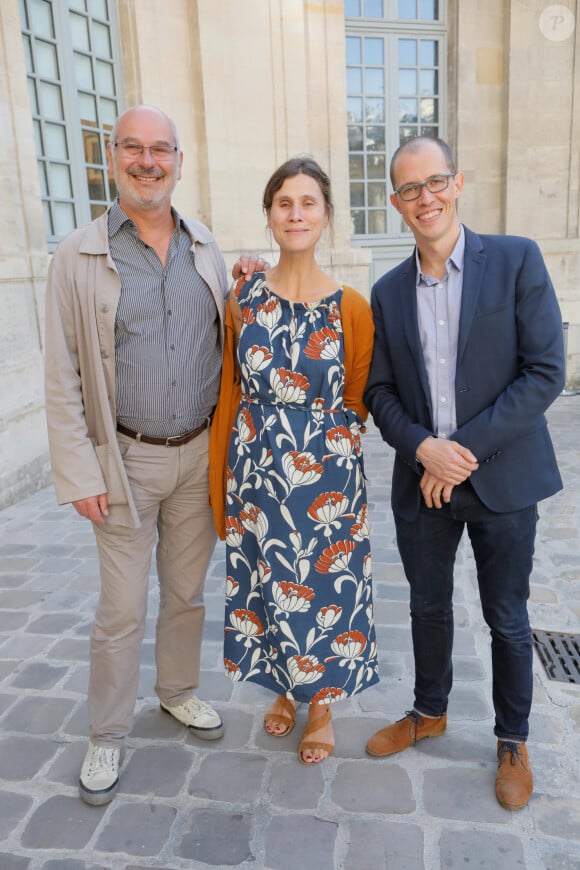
{"points": [[110, 156], [395, 202], [459, 180], [180, 165]]}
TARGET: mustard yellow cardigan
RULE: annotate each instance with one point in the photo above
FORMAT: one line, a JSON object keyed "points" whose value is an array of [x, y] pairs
{"points": [[358, 331]]}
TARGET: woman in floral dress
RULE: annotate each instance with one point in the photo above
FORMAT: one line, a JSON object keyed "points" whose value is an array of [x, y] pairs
{"points": [[299, 615]]}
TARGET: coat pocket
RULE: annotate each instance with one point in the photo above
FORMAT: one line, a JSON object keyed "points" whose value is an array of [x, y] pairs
{"points": [[114, 474]]}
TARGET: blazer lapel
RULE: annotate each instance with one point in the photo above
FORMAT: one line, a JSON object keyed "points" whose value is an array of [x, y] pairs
{"points": [[473, 272], [408, 290]]}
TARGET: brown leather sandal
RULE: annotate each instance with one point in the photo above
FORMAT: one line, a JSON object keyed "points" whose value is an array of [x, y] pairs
{"points": [[316, 725], [285, 716]]}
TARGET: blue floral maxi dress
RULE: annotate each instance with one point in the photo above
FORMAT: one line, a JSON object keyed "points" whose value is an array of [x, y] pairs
{"points": [[299, 617]]}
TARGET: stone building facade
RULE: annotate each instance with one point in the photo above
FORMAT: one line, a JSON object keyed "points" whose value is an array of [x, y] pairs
{"points": [[251, 83]]}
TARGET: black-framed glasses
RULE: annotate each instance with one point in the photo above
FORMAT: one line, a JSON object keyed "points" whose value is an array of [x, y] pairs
{"points": [[133, 150], [434, 184]]}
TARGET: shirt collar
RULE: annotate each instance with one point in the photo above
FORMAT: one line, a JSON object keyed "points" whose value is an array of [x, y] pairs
{"points": [[456, 259], [118, 218]]}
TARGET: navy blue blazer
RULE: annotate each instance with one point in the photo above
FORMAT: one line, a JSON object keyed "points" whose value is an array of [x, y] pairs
{"points": [[510, 368]]}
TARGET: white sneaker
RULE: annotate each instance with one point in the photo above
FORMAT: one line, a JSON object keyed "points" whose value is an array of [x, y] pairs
{"points": [[199, 716], [99, 778]]}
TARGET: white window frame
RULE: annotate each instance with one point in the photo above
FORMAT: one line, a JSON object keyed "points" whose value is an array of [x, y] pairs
{"points": [[84, 207]]}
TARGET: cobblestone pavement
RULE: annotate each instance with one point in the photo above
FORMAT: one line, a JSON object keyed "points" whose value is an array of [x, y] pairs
{"points": [[245, 801]]}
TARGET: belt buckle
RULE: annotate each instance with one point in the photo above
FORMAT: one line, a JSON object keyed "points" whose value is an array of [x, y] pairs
{"points": [[172, 438]]}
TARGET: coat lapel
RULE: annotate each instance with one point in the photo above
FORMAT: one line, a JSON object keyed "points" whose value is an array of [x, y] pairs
{"points": [[408, 290], [473, 271]]}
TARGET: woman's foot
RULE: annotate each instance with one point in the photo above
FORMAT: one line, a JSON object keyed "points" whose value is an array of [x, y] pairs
{"points": [[280, 718], [318, 739]]}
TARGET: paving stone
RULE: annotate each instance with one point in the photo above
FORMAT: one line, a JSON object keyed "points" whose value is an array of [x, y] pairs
{"points": [[300, 841], [463, 793], [53, 623], [61, 822], [72, 864], [69, 649], [19, 599], [13, 862], [237, 729], [466, 702], [137, 829], [391, 613], [373, 787], [66, 766], [37, 715], [558, 817], [11, 620], [294, 786], [12, 808], [20, 646], [563, 861], [352, 733], [37, 675], [22, 757], [18, 564], [460, 849], [468, 669], [7, 701], [393, 637], [381, 845], [215, 837], [232, 777], [157, 770], [7, 667]]}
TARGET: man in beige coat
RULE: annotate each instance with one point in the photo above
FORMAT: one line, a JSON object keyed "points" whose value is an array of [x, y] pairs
{"points": [[134, 334]]}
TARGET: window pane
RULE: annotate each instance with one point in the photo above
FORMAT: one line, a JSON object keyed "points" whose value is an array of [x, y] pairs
{"points": [[50, 101], [92, 146], [407, 81], [79, 27], [375, 138], [430, 131], [355, 164], [98, 8], [97, 210], [429, 10], [24, 15], [88, 109], [96, 183], [32, 96], [55, 142], [358, 222], [376, 166], [429, 52], [377, 222], [354, 110], [373, 8], [105, 78], [355, 139], [46, 62], [429, 81], [407, 52], [429, 110], [407, 8], [28, 55], [407, 132], [357, 195], [353, 81], [41, 18], [108, 112], [374, 81], [407, 111], [101, 40], [352, 8], [377, 194], [374, 51], [38, 137], [59, 180], [83, 71], [47, 219], [375, 110], [353, 50], [63, 215], [78, 4], [42, 178]]}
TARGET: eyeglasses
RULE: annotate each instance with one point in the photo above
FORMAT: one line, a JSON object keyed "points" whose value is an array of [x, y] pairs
{"points": [[133, 150], [435, 184]]}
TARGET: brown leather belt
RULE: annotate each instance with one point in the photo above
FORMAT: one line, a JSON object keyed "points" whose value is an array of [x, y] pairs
{"points": [[175, 441]]}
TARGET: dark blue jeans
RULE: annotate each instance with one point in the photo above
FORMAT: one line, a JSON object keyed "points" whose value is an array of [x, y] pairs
{"points": [[503, 547]]}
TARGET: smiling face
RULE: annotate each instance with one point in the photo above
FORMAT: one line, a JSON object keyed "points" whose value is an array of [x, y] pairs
{"points": [[432, 217], [298, 215], [143, 182]]}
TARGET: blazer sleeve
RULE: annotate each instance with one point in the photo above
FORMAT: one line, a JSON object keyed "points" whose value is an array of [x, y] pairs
{"points": [[222, 426], [358, 329]]}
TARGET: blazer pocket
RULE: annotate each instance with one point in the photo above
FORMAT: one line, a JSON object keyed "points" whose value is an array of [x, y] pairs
{"points": [[113, 472], [497, 309]]}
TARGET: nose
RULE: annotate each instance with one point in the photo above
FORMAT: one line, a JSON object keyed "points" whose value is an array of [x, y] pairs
{"points": [[426, 194], [295, 213], [146, 157]]}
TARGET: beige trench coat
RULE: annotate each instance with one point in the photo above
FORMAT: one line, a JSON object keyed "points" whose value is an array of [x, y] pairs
{"points": [[82, 296]]}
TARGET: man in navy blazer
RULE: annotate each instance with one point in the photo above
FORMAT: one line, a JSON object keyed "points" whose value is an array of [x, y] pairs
{"points": [[468, 356]]}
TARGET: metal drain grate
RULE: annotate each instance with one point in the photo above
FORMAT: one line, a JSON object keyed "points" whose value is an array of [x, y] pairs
{"points": [[559, 654]]}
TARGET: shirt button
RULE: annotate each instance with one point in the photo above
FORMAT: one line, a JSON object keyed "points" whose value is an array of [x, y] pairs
{"points": [[442, 435], [440, 286], [442, 360], [443, 400], [173, 383], [104, 308], [171, 347], [441, 323]]}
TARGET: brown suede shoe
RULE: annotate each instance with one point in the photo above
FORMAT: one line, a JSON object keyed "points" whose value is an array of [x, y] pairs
{"points": [[405, 733], [514, 782]]}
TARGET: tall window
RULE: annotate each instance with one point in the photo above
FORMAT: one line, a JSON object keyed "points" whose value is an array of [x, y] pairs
{"points": [[395, 56], [72, 61]]}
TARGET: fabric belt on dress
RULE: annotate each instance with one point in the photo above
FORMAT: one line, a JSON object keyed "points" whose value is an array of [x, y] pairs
{"points": [[173, 441]]}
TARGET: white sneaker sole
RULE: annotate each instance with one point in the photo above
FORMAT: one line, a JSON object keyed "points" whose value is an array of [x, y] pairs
{"points": [[98, 797], [203, 733]]}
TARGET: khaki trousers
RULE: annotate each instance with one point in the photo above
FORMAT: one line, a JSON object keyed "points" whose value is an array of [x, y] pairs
{"points": [[170, 487]]}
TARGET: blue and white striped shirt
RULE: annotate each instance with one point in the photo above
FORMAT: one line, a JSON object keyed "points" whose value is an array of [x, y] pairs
{"points": [[167, 350]]}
